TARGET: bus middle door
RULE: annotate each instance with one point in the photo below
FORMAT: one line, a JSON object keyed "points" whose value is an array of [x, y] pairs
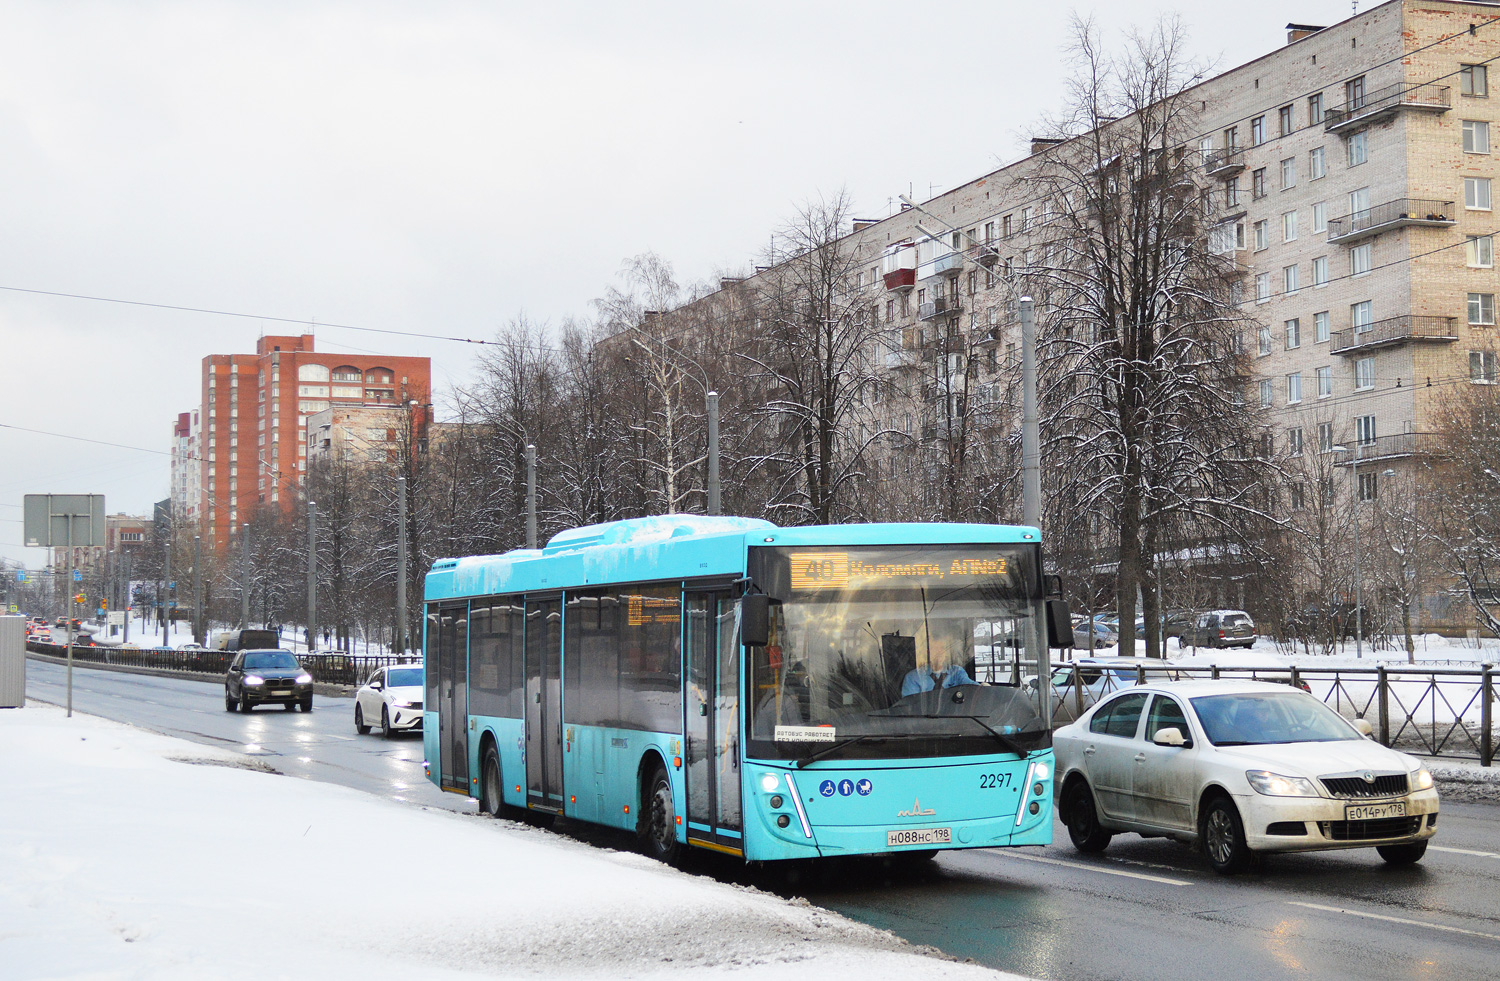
{"points": [[544, 743], [712, 706]]}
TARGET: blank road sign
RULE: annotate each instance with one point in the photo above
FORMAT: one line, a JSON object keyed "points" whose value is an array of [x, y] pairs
{"points": [[52, 520]]}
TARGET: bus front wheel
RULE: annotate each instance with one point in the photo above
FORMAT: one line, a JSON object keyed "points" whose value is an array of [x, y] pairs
{"points": [[657, 828], [492, 789]]}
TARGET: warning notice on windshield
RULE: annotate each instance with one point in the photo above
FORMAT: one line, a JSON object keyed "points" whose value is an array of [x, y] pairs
{"points": [[805, 734]]}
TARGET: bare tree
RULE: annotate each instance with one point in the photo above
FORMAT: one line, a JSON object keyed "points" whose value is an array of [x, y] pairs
{"points": [[1144, 415], [1465, 494]]}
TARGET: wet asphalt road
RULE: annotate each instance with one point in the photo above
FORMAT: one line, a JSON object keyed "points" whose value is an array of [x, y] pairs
{"points": [[1144, 909]]}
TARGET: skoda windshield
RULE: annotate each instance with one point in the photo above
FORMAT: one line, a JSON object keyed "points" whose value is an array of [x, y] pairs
{"points": [[896, 651]]}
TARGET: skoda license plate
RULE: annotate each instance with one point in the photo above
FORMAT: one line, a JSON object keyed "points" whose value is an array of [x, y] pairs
{"points": [[1374, 812], [919, 836]]}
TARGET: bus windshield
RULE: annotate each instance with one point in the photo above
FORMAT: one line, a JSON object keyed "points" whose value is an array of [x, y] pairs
{"points": [[907, 649]]}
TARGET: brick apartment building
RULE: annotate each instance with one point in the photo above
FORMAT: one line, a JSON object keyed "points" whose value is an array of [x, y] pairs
{"points": [[1354, 166], [252, 441]]}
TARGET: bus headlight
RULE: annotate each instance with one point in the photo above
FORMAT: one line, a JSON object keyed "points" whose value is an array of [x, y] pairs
{"points": [[769, 782], [1042, 771]]}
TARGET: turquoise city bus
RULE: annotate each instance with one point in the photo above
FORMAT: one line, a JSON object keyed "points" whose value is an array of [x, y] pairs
{"points": [[771, 693]]}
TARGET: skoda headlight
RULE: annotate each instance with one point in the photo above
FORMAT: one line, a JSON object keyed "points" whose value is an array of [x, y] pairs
{"points": [[304, 678], [1422, 779], [254, 679], [1277, 785]]}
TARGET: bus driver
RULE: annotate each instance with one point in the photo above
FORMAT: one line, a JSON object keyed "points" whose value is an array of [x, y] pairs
{"points": [[942, 670]]}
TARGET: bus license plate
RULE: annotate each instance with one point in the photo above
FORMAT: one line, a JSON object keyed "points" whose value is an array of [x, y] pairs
{"points": [[919, 836], [1373, 812]]}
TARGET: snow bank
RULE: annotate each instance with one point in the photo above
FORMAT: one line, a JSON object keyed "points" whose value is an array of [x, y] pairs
{"points": [[122, 858]]}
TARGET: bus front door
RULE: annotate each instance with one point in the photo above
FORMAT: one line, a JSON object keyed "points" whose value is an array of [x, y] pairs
{"points": [[453, 696], [544, 744], [713, 721]]}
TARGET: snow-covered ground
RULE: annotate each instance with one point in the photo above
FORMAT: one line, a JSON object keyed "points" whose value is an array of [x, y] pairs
{"points": [[126, 854]]}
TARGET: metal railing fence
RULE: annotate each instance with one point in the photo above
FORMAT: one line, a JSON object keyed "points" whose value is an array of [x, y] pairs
{"points": [[332, 668]]}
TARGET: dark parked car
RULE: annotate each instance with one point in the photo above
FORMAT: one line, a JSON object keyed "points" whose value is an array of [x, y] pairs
{"points": [[1221, 628], [266, 677]]}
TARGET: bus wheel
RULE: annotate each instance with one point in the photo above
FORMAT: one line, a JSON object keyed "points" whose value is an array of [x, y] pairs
{"points": [[492, 790], [658, 824]]}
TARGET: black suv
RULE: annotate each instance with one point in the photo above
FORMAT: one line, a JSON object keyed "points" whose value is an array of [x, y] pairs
{"points": [[260, 677]]}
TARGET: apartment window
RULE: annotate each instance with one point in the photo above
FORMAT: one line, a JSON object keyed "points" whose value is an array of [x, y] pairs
{"points": [[1262, 340], [1320, 271], [1482, 367], [989, 232], [1206, 148], [1364, 374], [1476, 136], [1258, 183], [1325, 382], [890, 311], [1315, 109], [1257, 130], [1320, 217], [1474, 80], [1289, 226], [1262, 234], [1232, 192], [1354, 92], [1482, 309], [1005, 226], [1231, 138], [1293, 334], [1289, 279], [1288, 173], [1359, 150], [1026, 219], [1362, 315], [1294, 388], [1368, 486], [1317, 163], [1284, 119], [1364, 429], [1297, 494], [1267, 393], [1262, 288], [1294, 441], [973, 281], [1477, 193], [1480, 250], [1360, 258], [1325, 437], [1359, 201]]}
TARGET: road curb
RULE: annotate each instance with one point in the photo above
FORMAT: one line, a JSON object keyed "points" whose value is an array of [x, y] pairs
{"points": [[319, 688]]}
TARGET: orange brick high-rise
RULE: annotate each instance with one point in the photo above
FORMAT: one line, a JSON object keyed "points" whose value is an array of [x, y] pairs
{"points": [[254, 419]]}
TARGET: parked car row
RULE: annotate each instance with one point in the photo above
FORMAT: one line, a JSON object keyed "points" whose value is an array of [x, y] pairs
{"points": [[1215, 628]]}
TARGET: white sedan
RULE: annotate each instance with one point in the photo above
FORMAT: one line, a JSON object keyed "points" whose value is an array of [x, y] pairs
{"points": [[394, 697], [1238, 767]]}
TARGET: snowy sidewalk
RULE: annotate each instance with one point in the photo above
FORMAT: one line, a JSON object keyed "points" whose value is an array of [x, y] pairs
{"points": [[122, 860]]}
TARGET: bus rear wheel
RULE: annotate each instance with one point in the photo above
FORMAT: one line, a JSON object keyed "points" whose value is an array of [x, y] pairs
{"points": [[657, 827]]}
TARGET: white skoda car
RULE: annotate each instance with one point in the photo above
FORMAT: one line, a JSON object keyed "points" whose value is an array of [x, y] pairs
{"points": [[391, 699], [1238, 767]]}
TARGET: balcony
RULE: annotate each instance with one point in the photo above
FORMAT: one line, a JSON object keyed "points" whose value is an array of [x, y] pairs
{"points": [[1223, 164], [938, 308], [1388, 101], [1404, 329], [1390, 448], [985, 255], [900, 280], [941, 266], [1392, 214], [899, 360]]}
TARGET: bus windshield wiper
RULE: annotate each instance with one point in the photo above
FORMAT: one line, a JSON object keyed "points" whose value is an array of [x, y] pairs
{"points": [[1010, 744], [814, 757]]}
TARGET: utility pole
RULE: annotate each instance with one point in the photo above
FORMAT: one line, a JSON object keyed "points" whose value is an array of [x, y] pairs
{"points": [[245, 576], [72, 597], [128, 604], [1031, 441], [1359, 603], [312, 577], [165, 603], [401, 564], [530, 496], [198, 637], [713, 454]]}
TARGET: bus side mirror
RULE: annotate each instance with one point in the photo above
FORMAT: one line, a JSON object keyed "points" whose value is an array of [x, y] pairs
{"points": [[1052, 586], [1059, 624], [755, 620]]}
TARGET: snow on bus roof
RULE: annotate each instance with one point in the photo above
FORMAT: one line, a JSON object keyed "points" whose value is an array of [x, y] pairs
{"points": [[657, 528]]}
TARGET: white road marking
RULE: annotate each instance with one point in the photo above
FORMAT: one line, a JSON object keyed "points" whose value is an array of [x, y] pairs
{"points": [[1397, 919], [1095, 868], [1463, 851]]}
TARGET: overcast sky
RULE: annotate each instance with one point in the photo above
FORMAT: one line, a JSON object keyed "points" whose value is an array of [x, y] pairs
{"points": [[443, 167]]}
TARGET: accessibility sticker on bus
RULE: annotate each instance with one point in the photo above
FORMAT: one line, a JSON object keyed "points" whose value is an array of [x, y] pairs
{"points": [[805, 734]]}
